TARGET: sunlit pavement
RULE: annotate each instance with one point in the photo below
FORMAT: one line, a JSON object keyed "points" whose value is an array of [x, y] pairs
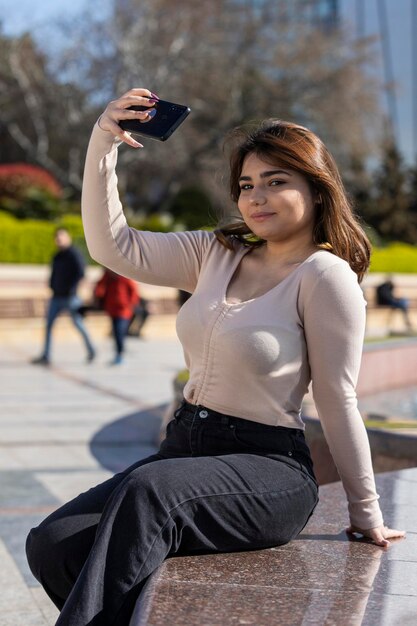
{"points": [[67, 427]]}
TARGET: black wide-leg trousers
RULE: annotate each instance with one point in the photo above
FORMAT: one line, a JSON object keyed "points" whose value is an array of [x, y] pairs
{"points": [[218, 484]]}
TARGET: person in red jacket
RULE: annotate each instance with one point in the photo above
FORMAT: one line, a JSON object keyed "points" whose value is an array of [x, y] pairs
{"points": [[118, 297]]}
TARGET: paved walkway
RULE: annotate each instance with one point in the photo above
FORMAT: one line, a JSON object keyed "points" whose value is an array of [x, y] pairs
{"points": [[66, 428]]}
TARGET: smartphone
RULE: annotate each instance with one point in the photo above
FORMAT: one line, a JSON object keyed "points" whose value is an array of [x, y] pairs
{"points": [[168, 116]]}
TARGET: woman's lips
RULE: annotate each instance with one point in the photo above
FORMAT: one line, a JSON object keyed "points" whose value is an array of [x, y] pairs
{"points": [[261, 217]]}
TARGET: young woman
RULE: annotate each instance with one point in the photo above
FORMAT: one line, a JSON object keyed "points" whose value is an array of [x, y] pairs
{"points": [[276, 303]]}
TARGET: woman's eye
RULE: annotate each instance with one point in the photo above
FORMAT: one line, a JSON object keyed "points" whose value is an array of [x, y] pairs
{"points": [[277, 182], [245, 187]]}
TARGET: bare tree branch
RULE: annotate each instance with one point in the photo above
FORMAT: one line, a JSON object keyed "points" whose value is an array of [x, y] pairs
{"points": [[33, 103]]}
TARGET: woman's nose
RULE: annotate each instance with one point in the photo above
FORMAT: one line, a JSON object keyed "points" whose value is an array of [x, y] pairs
{"points": [[257, 198]]}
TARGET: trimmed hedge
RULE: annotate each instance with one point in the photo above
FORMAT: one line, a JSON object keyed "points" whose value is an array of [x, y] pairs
{"points": [[395, 258], [32, 241]]}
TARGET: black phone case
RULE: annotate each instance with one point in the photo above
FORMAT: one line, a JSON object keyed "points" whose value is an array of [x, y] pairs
{"points": [[169, 116]]}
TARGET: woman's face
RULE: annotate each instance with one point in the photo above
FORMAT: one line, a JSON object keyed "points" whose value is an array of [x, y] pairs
{"points": [[276, 203]]}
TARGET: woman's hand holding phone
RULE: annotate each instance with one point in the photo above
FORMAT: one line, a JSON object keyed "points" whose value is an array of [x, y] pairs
{"points": [[141, 112], [118, 110]]}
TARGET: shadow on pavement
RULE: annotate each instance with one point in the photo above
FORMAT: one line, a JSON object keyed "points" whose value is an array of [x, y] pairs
{"points": [[128, 439]]}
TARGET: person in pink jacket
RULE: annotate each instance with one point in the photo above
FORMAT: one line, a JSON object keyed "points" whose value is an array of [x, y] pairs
{"points": [[275, 304]]}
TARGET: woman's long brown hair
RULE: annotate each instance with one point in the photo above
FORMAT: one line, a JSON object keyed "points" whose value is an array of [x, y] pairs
{"points": [[288, 145]]}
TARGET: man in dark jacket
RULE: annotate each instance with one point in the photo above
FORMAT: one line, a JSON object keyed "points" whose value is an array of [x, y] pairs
{"points": [[385, 297], [67, 271]]}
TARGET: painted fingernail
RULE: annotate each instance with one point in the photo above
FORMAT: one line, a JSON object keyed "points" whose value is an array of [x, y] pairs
{"points": [[154, 95], [153, 100]]}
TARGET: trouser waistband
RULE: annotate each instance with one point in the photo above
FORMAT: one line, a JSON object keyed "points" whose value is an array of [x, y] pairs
{"points": [[203, 412]]}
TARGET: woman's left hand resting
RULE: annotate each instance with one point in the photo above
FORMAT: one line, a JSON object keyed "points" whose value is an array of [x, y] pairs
{"points": [[379, 535]]}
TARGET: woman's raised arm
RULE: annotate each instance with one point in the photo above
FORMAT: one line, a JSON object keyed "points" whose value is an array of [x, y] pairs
{"points": [[168, 259]]}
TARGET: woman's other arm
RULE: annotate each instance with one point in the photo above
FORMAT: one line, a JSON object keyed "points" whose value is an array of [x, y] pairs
{"points": [[334, 324]]}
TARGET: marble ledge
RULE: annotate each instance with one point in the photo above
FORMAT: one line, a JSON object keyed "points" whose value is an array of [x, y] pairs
{"points": [[321, 578]]}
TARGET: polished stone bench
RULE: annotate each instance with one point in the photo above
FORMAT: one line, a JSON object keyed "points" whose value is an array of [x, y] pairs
{"points": [[322, 578]]}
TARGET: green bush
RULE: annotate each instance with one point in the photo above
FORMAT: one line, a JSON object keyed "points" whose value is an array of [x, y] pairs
{"points": [[191, 206], [32, 241], [396, 258], [31, 192], [157, 222]]}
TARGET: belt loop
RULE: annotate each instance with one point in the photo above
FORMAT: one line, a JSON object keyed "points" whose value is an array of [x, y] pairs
{"points": [[224, 421]]}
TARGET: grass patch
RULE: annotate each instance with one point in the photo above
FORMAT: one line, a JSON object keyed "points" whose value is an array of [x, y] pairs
{"points": [[389, 425], [388, 338], [379, 339], [394, 258], [182, 376]]}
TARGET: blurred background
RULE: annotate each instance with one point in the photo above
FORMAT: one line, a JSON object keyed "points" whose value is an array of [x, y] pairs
{"points": [[345, 68]]}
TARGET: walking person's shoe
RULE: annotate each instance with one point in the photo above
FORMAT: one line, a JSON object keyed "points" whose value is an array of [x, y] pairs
{"points": [[118, 360], [41, 360], [91, 356]]}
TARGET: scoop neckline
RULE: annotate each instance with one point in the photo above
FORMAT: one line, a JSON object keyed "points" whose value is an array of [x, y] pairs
{"points": [[235, 266]]}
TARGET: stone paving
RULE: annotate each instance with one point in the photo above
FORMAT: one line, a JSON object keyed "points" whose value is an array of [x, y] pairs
{"points": [[66, 428]]}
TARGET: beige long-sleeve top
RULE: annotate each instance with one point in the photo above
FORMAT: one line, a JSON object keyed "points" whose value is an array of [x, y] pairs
{"points": [[254, 359]]}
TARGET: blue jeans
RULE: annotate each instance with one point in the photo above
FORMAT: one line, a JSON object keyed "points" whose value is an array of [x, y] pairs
{"points": [[400, 303], [120, 327], [217, 484], [57, 305]]}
